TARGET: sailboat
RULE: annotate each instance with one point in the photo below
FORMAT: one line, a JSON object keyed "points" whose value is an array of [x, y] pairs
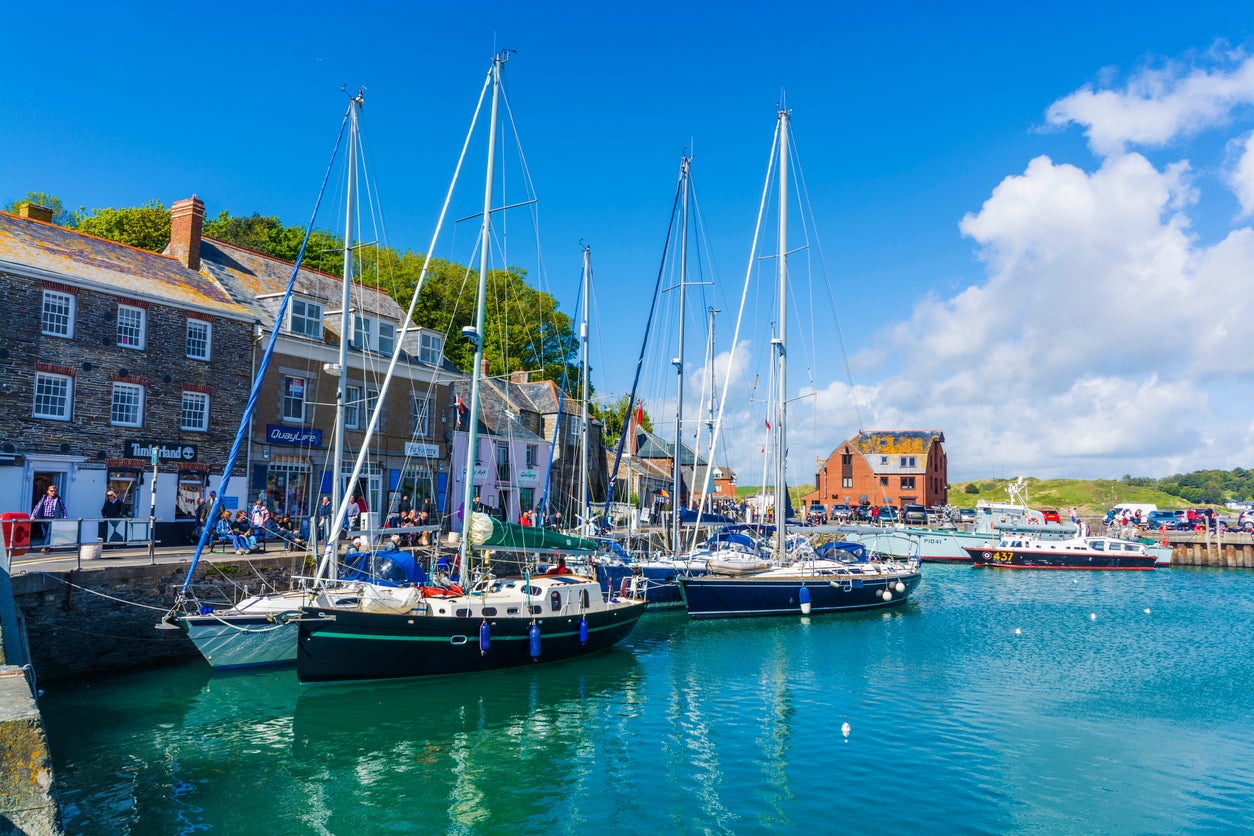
{"points": [[497, 622], [260, 629], [830, 578]]}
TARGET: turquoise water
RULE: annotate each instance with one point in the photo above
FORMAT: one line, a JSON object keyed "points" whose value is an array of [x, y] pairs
{"points": [[993, 702]]}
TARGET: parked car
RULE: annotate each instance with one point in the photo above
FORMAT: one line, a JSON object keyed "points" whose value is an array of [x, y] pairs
{"points": [[888, 514], [1169, 520], [840, 511], [914, 515], [817, 509], [1246, 519], [967, 514], [1050, 515]]}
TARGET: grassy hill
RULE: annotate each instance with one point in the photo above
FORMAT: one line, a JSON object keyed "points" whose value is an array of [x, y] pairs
{"points": [[1089, 496]]}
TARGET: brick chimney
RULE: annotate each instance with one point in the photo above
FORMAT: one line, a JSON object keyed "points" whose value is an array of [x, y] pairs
{"points": [[187, 219], [519, 376], [486, 373], [35, 212]]}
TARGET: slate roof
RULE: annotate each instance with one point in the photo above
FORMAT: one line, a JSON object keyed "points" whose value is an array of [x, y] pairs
{"points": [[650, 446], [497, 415], [110, 267]]}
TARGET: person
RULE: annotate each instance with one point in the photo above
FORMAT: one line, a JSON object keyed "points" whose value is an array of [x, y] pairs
{"points": [[354, 515], [560, 568], [404, 505], [244, 530], [525, 518], [203, 507], [226, 531], [392, 544], [322, 516], [355, 561], [112, 509], [260, 513], [50, 507], [290, 532]]}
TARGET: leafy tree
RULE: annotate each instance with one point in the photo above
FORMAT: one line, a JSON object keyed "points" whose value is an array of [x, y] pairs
{"points": [[268, 236], [613, 416], [60, 215], [146, 227]]}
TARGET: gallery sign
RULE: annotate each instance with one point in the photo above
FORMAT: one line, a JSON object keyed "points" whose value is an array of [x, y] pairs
{"points": [[295, 436], [148, 450]]}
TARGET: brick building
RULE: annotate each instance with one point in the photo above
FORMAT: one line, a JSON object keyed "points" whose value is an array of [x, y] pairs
{"points": [[110, 353], [885, 467]]}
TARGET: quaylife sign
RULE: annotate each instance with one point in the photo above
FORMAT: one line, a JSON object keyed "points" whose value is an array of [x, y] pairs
{"points": [[295, 436], [153, 450]]}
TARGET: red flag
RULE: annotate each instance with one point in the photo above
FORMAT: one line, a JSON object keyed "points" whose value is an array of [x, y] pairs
{"points": [[639, 413], [768, 423]]}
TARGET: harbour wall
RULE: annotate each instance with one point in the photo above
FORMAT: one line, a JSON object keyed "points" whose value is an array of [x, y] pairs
{"points": [[1230, 550]]}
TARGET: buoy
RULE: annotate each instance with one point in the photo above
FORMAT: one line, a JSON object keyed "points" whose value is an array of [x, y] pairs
{"points": [[804, 597], [485, 638], [583, 630], [888, 596], [845, 728], [1147, 610], [533, 634], [1018, 632], [900, 587], [1092, 616]]}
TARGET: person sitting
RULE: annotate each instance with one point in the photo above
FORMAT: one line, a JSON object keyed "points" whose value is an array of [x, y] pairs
{"points": [[560, 568], [244, 531], [290, 532], [225, 531], [355, 562], [392, 544]]}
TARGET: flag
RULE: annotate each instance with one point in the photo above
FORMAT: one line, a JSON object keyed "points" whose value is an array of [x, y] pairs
{"points": [[768, 422], [639, 414], [461, 409]]}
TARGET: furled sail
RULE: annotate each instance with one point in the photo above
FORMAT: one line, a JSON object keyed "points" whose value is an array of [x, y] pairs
{"points": [[490, 533]]}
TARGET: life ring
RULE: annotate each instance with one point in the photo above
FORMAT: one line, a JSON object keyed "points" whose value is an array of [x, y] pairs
{"points": [[16, 528]]}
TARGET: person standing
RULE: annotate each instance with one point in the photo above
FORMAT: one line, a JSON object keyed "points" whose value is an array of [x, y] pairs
{"points": [[322, 517], [113, 509], [50, 507]]}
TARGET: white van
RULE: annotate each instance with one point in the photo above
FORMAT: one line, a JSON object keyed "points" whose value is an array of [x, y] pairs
{"points": [[1130, 508]]}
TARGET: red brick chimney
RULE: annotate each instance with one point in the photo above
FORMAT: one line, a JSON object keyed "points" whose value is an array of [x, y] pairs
{"points": [[486, 373], [519, 376], [35, 212], [187, 219]]}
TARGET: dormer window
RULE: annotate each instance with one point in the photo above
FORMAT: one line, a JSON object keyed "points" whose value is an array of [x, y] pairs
{"points": [[373, 335], [305, 319], [431, 347]]}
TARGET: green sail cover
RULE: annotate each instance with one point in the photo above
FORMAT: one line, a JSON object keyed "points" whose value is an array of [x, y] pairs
{"points": [[489, 533]]}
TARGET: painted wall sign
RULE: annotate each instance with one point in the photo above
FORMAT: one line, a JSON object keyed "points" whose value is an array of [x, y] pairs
{"points": [[173, 452], [295, 436], [422, 451]]}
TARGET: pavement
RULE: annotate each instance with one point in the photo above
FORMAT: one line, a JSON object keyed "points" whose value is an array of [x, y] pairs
{"points": [[65, 559]]}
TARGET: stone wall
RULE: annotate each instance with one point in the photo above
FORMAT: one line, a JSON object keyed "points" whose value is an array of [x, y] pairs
{"points": [[101, 619]]}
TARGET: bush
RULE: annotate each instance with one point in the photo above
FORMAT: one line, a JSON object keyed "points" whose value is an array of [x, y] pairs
{"points": [[971, 488]]}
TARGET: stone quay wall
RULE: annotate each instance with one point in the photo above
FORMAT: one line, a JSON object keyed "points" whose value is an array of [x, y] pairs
{"points": [[101, 619]]}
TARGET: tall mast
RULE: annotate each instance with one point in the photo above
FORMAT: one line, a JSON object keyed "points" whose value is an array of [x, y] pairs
{"points": [[583, 339], [781, 354], [346, 318], [676, 478], [472, 432], [709, 353]]}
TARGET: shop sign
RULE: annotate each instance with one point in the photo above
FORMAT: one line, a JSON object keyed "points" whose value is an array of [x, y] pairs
{"points": [[418, 450], [153, 450], [295, 436], [528, 477]]}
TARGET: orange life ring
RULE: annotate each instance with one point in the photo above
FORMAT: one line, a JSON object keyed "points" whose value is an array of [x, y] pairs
{"points": [[16, 528]]}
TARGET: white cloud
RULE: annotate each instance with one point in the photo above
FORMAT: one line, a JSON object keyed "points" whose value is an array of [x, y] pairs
{"points": [[1158, 106], [1241, 175]]}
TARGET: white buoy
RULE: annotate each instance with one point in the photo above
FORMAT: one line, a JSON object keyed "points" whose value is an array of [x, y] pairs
{"points": [[1018, 632], [1092, 616], [900, 587], [1147, 611], [888, 596], [845, 728]]}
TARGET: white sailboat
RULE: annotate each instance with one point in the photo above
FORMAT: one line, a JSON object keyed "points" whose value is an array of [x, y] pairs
{"points": [[496, 622], [802, 580]]}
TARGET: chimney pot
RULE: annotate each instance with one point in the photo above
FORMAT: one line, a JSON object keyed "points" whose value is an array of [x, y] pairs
{"points": [[187, 219], [35, 212]]}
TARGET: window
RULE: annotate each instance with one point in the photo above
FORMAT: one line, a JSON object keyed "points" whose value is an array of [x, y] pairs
{"points": [[884, 481], [128, 405], [430, 347], [502, 462], [58, 314], [847, 482], [883, 459], [387, 338], [422, 416], [293, 399], [846, 459], [907, 461], [305, 319], [907, 483], [532, 451], [363, 332], [194, 414], [372, 400], [54, 396], [352, 408], [130, 327], [199, 337]]}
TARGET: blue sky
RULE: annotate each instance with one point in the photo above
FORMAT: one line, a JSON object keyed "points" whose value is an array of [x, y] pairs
{"points": [[1035, 217]]}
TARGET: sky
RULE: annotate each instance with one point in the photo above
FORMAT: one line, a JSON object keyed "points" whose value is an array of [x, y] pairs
{"points": [[1032, 222]]}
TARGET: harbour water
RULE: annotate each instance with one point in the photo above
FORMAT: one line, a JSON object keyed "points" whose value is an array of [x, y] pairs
{"points": [[993, 702]]}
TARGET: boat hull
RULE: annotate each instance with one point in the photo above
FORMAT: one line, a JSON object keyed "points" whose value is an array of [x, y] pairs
{"points": [[1044, 559], [716, 597], [243, 641], [335, 645]]}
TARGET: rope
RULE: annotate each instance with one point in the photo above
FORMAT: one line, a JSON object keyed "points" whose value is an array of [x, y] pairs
{"points": [[101, 594]]}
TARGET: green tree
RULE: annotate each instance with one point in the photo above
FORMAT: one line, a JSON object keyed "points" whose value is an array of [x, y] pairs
{"points": [[60, 215], [268, 236], [146, 227], [614, 416]]}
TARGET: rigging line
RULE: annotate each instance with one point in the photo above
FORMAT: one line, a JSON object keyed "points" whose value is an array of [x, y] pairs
{"points": [[840, 332], [250, 405], [557, 424], [753, 249], [341, 513], [618, 454]]}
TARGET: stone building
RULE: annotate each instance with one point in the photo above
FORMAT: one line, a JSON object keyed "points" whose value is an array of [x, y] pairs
{"points": [[111, 355], [885, 467], [289, 455]]}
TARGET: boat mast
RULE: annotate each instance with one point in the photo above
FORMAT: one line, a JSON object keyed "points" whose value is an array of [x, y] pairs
{"points": [[472, 432], [709, 353], [584, 503], [781, 415], [346, 320], [676, 477]]}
